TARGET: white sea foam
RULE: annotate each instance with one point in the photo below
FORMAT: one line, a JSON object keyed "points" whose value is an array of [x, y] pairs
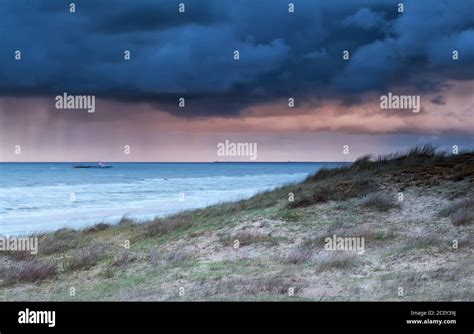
{"points": [[29, 209]]}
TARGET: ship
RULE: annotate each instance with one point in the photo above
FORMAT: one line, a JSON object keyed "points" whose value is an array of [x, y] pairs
{"points": [[99, 165]]}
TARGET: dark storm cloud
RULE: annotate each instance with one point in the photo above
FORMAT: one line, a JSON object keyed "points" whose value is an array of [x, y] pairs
{"points": [[191, 54], [365, 19], [155, 17]]}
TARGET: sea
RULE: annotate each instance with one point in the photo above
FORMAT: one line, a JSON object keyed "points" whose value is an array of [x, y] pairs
{"points": [[43, 197]]}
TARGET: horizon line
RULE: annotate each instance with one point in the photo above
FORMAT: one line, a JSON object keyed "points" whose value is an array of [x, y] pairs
{"points": [[165, 162]]}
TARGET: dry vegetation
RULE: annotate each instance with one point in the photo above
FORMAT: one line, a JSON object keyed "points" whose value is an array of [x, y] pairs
{"points": [[28, 271], [84, 258], [461, 211], [380, 201], [424, 244]]}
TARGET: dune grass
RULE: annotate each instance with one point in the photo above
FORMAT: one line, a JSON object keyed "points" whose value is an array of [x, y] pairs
{"points": [[461, 211]]}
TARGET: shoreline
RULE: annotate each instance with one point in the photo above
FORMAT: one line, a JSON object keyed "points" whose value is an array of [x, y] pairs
{"points": [[142, 196]]}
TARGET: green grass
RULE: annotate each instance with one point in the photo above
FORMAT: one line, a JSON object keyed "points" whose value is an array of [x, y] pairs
{"points": [[418, 243], [227, 268]]}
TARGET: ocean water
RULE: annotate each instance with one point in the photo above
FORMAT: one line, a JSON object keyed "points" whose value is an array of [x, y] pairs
{"points": [[40, 197]]}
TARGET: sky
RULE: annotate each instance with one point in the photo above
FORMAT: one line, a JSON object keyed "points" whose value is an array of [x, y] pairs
{"points": [[283, 55]]}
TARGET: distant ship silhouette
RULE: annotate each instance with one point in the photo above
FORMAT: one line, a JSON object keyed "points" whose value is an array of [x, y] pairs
{"points": [[99, 165]]}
